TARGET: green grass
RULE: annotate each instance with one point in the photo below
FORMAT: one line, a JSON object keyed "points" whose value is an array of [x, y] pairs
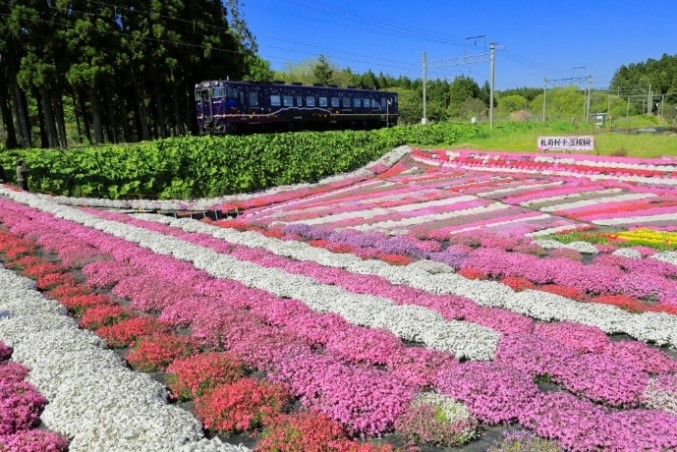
{"points": [[522, 137]]}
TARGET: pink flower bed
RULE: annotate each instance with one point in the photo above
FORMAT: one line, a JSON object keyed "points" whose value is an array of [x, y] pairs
{"points": [[246, 356]]}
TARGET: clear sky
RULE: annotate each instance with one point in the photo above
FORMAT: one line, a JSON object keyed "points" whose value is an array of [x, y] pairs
{"points": [[547, 38]]}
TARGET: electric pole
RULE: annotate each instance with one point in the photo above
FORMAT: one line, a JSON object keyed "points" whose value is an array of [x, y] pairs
{"points": [[468, 60], [424, 119], [545, 88], [492, 58], [649, 102]]}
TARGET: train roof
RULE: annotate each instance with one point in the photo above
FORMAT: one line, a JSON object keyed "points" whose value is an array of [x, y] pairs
{"points": [[214, 83]]}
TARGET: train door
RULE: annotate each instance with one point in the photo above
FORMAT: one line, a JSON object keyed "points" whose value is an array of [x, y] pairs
{"points": [[204, 103]]}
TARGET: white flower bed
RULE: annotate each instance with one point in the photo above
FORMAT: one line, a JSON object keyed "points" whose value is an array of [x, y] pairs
{"points": [[657, 327], [555, 230], [570, 196], [506, 191], [640, 179], [628, 253], [501, 223], [376, 211], [93, 397], [382, 225], [638, 219], [463, 339], [581, 247], [607, 164], [667, 256], [593, 202]]}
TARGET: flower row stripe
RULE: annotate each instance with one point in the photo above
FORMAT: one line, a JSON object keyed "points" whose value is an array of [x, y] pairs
{"points": [[94, 398], [519, 188], [666, 217], [370, 213], [389, 224], [657, 327], [409, 322], [594, 202], [527, 216], [641, 179]]}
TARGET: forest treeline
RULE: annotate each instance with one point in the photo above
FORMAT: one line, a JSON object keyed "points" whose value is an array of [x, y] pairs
{"points": [[112, 70], [94, 71]]}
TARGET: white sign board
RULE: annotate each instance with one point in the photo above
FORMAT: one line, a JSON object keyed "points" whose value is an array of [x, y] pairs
{"points": [[575, 143]]}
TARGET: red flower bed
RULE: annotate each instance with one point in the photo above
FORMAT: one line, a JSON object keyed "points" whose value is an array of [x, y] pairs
{"points": [[18, 251], [241, 406], [274, 233], [195, 376], [472, 273], [126, 332], [27, 261], [622, 301], [41, 269], [53, 280], [156, 352], [319, 243], [310, 432], [103, 315], [568, 292], [517, 283], [239, 225], [78, 304], [394, 259], [66, 291]]}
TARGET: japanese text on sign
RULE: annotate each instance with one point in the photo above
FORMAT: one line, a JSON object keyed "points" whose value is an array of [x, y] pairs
{"points": [[577, 143]]}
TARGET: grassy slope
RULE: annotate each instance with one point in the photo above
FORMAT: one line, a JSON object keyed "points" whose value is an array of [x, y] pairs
{"points": [[517, 137]]}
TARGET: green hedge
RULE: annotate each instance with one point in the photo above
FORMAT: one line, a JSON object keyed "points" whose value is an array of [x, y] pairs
{"points": [[192, 167]]}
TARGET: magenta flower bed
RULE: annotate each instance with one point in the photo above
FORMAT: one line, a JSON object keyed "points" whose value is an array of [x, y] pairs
{"points": [[431, 239]]}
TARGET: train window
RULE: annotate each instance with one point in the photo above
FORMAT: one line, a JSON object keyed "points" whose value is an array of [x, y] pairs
{"points": [[383, 102], [275, 100], [288, 101], [346, 102], [253, 99], [367, 103], [217, 92], [357, 102], [310, 101], [299, 101], [323, 102], [202, 95], [335, 102]]}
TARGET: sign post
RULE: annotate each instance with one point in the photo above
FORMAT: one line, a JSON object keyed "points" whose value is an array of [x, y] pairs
{"points": [[572, 143]]}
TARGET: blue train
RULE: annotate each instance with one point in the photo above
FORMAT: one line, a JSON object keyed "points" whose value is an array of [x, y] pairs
{"points": [[225, 106]]}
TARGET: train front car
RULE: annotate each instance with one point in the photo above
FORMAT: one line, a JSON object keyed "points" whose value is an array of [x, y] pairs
{"points": [[228, 106]]}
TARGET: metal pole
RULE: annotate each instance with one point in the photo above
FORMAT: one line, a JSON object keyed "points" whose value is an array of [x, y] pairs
{"points": [[627, 111], [492, 49], [545, 87], [587, 104], [424, 119], [649, 101]]}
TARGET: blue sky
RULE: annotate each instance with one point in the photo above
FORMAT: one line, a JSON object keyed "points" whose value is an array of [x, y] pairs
{"points": [[547, 38]]}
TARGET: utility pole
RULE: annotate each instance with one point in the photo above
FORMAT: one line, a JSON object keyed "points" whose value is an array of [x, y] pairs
{"points": [[468, 60], [545, 88], [492, 58], [649, 102], [424, 119], [587, 99], [627, 111]]}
